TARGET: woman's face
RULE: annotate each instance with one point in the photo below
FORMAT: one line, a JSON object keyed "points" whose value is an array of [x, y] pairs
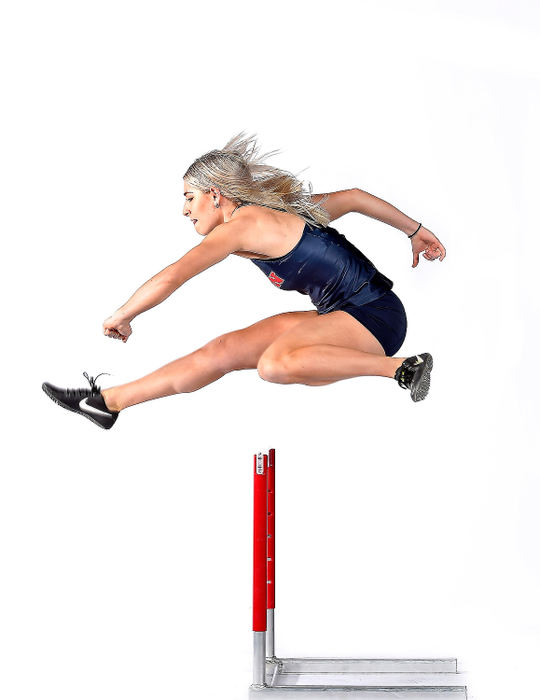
{"points": [[199, 207]]}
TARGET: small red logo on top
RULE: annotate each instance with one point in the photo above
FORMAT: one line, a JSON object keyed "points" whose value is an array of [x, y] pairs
{"points": [[275, 279]]}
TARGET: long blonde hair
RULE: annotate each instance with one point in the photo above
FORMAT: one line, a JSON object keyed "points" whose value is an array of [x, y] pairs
{"points": [[241, 175]]}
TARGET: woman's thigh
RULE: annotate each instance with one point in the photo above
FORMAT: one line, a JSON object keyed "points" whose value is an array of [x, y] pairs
{"points": [[243, 348], [335, 328]]}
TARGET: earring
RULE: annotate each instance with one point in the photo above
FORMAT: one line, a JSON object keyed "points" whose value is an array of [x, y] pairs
{"points": [[216, 204]]}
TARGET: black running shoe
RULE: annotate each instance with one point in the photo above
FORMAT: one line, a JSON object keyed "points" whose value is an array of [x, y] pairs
{"points": [[414, 374], [87, 402]]}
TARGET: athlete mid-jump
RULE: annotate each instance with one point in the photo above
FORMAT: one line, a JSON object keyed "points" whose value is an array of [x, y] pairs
{"points": [[243, 206]]}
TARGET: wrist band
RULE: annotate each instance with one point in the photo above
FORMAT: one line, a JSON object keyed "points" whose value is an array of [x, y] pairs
{"points": [[414, 234]]}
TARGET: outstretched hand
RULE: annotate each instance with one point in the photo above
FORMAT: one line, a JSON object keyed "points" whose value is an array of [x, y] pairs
{"points": [[429, 245], [116, 327]]}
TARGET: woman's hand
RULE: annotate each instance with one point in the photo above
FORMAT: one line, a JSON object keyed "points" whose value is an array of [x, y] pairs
{"points": [[117, 327], [431, 246]]}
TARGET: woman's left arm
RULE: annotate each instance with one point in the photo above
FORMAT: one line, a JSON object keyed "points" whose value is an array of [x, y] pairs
{"points": [[423, 241], [356, 200]]}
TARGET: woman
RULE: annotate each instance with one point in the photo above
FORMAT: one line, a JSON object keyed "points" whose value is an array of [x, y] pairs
{"points": [[242, 206]]}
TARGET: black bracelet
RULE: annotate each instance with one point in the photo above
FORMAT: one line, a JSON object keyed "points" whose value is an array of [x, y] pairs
{"points": [[414, 234]]}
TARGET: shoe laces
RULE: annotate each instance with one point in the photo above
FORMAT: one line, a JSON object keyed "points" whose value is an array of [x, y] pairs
{"points": [[94, 388], [404, 376]]}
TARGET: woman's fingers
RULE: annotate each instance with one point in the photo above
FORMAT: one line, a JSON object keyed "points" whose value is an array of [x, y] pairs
{"points": [[115, 334], [434, 252], [430, 247], [443, 251], [437, 249]]}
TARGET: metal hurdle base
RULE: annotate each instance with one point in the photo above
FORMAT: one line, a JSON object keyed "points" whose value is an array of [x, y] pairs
{"points": [[369, 679]]}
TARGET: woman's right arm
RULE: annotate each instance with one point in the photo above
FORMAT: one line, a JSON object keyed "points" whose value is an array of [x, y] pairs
{"points": [[215, 247]]}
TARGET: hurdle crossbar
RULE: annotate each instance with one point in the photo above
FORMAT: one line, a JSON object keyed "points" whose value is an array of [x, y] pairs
{"points": [[322, 678]]}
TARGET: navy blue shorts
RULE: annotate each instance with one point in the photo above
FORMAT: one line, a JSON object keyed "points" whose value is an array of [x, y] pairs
{"points": [[385, 318]]}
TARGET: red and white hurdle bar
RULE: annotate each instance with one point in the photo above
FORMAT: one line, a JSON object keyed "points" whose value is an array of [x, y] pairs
{"points": [[322, 679]]}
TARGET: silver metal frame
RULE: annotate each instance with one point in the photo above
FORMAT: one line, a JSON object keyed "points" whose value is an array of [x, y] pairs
{"points": [[369, 679], [270, 651], [259, 659]]}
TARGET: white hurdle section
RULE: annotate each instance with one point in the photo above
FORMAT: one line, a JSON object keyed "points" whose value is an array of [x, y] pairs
{"points": [[325, 679]]}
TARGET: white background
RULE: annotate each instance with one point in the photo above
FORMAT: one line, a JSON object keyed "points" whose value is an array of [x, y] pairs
{"points": [[403, 529]]}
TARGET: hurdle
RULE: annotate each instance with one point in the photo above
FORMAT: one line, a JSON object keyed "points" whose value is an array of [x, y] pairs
{"points": [[324, 678]]}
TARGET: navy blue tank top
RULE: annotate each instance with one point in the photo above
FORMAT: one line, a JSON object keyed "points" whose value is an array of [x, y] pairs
{"points": [[328, 267]]}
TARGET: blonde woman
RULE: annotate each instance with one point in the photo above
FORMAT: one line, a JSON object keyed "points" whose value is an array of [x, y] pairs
{"points": [[242, 206]]}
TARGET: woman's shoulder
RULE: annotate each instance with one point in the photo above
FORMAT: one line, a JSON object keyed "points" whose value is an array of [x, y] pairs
{"points": [[275, 220], [262, 213], [268, 232]]}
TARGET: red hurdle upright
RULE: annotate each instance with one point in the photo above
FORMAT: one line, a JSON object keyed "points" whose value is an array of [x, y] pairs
{"points": [[260, 586]]}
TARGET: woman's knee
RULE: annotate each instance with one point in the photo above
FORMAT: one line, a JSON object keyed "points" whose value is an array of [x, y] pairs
{"points": [[276, 368]]}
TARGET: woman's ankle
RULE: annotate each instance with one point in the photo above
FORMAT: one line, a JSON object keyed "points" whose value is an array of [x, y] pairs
{"points": [[394, 366], [110, 400]]}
